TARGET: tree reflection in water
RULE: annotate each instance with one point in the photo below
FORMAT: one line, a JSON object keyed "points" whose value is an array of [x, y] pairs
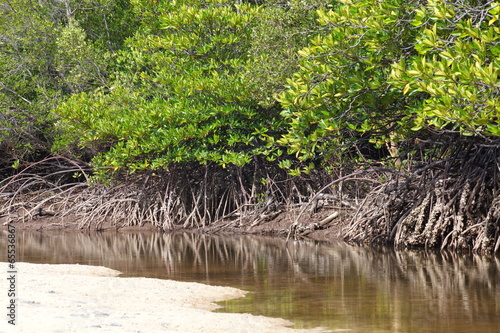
{"points": [[313, 284]]}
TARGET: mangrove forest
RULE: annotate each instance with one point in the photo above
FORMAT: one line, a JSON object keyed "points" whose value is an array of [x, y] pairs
{"points": [[373, 121]]}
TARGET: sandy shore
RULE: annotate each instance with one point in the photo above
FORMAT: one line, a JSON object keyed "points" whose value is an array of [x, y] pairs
{"points": [[76, 298]]}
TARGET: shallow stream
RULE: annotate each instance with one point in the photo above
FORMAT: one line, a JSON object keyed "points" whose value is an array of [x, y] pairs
{"points": [[337, 286]]}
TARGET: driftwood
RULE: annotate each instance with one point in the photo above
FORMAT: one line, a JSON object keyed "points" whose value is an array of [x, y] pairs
{"points": [[302, 230]]}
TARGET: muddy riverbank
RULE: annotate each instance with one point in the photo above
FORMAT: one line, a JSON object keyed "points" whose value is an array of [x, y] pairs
{"points": [[311, 226]]}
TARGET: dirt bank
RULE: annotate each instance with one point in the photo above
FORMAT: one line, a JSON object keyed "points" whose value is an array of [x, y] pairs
{"points": [[75, 298], [309, 226]]}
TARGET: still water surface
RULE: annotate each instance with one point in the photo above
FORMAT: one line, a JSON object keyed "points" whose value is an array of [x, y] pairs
{"points": [[337, 286]]}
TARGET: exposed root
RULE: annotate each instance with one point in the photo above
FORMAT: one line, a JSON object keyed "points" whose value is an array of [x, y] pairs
{"points": [[181, 197], [451, 203]]}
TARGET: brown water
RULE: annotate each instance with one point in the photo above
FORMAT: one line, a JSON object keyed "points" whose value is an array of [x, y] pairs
{"points": [[313, 284]]}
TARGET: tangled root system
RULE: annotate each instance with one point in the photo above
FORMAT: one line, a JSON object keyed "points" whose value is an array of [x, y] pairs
{"points": [[452, 202], [187, 196]]}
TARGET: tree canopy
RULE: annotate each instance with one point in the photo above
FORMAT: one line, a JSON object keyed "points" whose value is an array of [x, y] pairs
{"points": [[390, 70], [140, 85], [49, 51]]}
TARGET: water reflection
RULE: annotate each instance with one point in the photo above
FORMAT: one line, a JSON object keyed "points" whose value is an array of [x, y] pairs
{"points": [[313, 284]]}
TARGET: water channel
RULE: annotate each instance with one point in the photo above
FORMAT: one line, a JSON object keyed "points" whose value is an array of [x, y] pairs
{"points": [[337, 286]]}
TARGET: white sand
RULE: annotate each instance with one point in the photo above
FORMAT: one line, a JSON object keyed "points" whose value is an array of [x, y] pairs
{"points": [[75, 298]]}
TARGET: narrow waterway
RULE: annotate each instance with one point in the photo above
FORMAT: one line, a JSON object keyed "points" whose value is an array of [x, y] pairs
{"points": [[337, 286]]}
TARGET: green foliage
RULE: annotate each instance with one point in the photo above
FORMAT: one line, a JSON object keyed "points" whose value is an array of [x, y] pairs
{"points": [[386, 69], [143, 84], [456, 69], [342, 91], [279, 32], [107, 23], [79, 65], [46, 55], [27, 43], [178, 95]]}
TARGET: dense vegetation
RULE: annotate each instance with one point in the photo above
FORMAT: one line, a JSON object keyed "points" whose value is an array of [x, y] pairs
{"points": [[259, 102]]}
